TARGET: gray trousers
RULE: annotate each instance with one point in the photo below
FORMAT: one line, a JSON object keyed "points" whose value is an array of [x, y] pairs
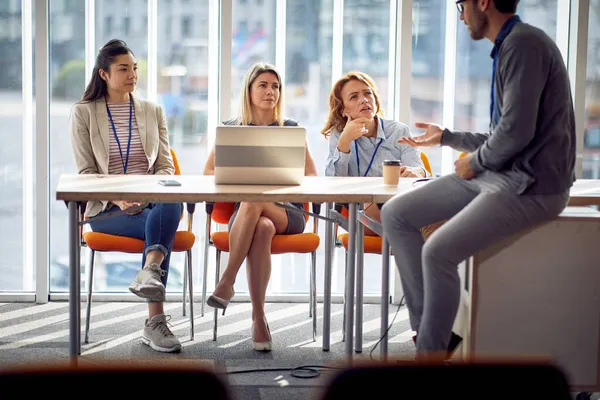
{"points": [[480, 212]]}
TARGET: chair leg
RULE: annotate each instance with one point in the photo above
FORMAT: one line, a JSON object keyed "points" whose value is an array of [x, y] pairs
{"points": [[205, 271], [185, 278], [216, 310], [313, 290], [310, 295], [344, 300], [90, 282], [191, 291]]}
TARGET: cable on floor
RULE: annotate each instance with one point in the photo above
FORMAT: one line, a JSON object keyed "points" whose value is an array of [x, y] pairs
{"points": [[302, 372], [313, 371], [387, 330]]}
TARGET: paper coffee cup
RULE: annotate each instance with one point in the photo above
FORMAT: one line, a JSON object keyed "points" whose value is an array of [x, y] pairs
{"points": [[391, 172]]}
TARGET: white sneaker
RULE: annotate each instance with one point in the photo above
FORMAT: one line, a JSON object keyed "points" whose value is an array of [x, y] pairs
{"points": [[147, 283], [158, 335]]}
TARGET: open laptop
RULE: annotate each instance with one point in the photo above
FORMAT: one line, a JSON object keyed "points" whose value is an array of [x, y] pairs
{"points": [[260, 155]]}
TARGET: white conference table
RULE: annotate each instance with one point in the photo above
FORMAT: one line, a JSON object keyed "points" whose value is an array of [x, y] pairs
{"points": [[74, 189]]}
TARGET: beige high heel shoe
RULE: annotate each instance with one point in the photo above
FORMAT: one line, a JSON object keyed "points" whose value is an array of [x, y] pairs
{"points": [[217, 302], [262, 346]]}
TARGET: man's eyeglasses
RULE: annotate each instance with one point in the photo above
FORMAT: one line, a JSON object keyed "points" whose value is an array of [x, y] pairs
{"points": [[460, 6]]}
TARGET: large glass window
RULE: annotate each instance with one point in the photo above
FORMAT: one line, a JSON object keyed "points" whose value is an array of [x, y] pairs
{"points": [[11, 151], [591, 138], [67, 83], [474, 66], [129, 24], [308, 70], [253, 41], [366, 42], [182, 81], [427, 84]]}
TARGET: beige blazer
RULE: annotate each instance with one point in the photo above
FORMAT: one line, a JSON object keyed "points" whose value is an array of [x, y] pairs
{"points": [[90, 140]]}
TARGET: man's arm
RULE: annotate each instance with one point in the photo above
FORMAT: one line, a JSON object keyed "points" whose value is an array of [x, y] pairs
{"points": [[523, 69], [463, 141]]}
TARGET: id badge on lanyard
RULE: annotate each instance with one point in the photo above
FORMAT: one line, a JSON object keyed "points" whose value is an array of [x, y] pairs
{"points": [[126, 161], [372, 157]]}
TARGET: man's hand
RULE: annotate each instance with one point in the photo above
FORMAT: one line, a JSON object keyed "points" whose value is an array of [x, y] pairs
{"points": [[411, 172], [431, 137], [354, 129], [463, 169]]}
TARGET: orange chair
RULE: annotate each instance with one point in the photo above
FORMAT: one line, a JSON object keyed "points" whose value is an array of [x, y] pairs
{"points": [[220, 213], [102, 242], [372, 244]]}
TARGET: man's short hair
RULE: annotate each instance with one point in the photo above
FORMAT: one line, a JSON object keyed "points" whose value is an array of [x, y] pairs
{"points": [[506, 6]]}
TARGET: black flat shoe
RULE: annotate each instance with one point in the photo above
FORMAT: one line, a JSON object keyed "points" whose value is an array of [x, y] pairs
{"points": [[455, 340]]}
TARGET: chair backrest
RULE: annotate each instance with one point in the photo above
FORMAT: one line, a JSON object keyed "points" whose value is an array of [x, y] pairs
{"points": [[222, 212], [175, 162], [426, 163]]}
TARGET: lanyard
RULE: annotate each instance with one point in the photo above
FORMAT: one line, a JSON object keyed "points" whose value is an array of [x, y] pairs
{"points": [[504, 31], [117, 136], [372, 157], [492, 91]]}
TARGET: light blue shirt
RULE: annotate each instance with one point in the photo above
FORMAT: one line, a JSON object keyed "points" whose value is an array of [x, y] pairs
{"points": [[389, 132]]}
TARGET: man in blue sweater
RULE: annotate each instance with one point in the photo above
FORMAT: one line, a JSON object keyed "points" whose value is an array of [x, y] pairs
{"points": [[515, 176]]}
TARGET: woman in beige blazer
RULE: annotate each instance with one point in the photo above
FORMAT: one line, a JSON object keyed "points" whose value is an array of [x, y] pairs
{"points": [[113, 132]]}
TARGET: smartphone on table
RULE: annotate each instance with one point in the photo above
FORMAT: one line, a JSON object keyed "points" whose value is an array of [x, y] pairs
{"points": [[169, 182]]}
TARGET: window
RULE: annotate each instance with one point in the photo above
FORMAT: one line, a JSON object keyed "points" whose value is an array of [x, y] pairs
{"points": [[126, 25], [186, 27], [137, 40], [366, 43], [253, 41], [108, 23], [308, 71], [591, 142], [427, 84], [67, 83], [12, 272]]}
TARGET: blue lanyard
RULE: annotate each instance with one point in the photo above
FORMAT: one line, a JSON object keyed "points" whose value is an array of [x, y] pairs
{"points": [[117, 136], [372, 157], [504, 31], [492, 91]]}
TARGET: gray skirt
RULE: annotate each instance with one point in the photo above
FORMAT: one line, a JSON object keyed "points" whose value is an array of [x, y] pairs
{"points": [[296, 220]]}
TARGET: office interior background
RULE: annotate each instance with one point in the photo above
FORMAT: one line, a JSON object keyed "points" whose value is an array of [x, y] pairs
{"points": [[192, 57]]}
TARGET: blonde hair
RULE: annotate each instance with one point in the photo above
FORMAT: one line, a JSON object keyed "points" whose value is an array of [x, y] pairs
{"points": [[336, 120], [245, 112]]}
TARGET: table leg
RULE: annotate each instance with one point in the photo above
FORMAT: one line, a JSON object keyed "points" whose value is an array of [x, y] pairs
{"points": [[352, 215], [74, 284], [329, 239], [385, 294], [360, 248]]}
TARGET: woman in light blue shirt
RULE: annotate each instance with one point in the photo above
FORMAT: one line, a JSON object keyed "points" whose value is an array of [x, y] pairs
{"points": [[360, 139]]}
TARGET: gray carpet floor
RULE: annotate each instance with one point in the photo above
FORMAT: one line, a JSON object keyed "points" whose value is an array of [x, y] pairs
{"points": [[31, 334]]}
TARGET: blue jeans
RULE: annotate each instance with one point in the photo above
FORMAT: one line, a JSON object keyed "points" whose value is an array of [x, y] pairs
{"points": [[155, 224]]}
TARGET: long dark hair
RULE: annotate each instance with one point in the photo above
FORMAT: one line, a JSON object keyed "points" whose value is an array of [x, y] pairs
{"points": [[96, 88]]}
